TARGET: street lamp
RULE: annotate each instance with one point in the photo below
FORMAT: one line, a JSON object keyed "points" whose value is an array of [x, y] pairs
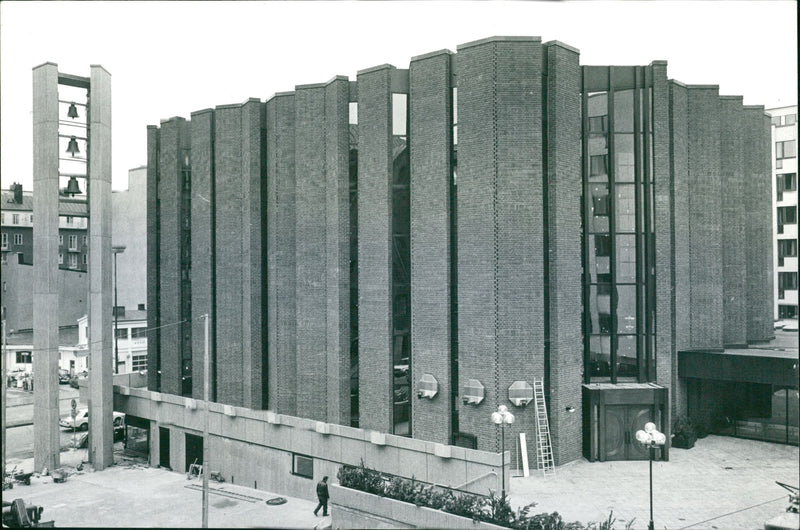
{"points": [[503, 417], [116, 249], [651, 438]]}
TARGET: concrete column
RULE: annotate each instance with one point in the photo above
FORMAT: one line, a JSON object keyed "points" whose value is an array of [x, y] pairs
{"points": [[563, 187], [375, 376], [431, 138], [337, 233], [101, 404], [46, 439]]}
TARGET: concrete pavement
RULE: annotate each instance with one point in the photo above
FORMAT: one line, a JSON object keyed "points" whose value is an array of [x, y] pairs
{"points": [[722, 483]]}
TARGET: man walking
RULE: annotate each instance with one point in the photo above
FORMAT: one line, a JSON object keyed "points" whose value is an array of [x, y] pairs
{"points": [[322, 495]]}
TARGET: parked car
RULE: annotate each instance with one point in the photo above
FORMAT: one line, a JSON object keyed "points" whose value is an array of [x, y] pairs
{"points": [[73, 381], [63, 376], [81, 421]]}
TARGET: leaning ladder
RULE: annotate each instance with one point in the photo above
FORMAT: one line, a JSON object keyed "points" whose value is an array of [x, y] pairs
{"points": [[544, 449]]}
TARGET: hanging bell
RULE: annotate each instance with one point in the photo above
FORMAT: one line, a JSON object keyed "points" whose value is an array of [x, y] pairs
{"points": [[73, 111], [72, 148], [72, 187]]}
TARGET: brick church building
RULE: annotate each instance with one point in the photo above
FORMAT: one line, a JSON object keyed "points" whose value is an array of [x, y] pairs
{"points": [[406, 251]]}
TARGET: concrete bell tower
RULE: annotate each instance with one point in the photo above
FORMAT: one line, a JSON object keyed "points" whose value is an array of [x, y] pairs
{"points": [[68, 147]]}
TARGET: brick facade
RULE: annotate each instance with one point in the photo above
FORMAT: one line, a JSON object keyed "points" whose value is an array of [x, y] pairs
{"points": [[375, 163], [271, 239], [431, 136]]}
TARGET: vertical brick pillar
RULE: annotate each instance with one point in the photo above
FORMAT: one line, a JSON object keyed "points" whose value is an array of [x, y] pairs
{"points": [[758, 233], [563, 187], [153, 261], [253, 274], [666, 357], [101, 405], [679, 235], [705, 217], [374, 248], [281, 244], [431, 137], [46, 440], [171, 138], [734, 259], [500, 228], [229, 274], [337, 249], [310, 248], [203, 244]]}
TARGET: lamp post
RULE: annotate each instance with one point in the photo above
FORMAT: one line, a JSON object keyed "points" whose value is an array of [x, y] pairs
{"points": [[651, 438], [502, 417], [116, 249]]}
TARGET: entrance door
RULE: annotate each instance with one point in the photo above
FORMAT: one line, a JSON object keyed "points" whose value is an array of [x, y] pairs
{"points": [[194, 450], [163, 447], [621, 424]]}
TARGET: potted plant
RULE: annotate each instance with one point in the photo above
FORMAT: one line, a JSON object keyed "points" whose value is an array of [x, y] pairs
{"points": [[684, 432]]}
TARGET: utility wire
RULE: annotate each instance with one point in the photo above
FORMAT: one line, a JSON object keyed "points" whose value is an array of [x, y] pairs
{"points": [[731, 513]]}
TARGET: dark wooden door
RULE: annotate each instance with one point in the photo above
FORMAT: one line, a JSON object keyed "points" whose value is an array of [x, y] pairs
{"points": [[163, 447], [619, 436]]}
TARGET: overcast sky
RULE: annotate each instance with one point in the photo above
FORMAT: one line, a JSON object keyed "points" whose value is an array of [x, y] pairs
{"points": [[172, 58]]}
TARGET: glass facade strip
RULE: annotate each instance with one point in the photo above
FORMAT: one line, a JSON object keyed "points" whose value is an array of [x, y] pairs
{"points": [[618, 223]]}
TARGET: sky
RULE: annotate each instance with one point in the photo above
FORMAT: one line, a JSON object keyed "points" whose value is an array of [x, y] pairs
{"points": [[173, 58]]}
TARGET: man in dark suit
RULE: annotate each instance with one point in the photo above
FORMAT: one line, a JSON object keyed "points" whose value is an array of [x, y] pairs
{"points": [[322, 495]]}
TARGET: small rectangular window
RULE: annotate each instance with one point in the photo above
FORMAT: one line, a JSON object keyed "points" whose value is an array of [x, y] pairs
{"points": [[85, 261], [73, 242], [602, 245], [24, 357], [60, 239], [69, 219], [787, 248], [787, 215], [17, 239], [787, 149], [790, 119], [302, 465], [776, 121], [598, 165], [61, 259], [15, 218], [139, 362], [122, 333], [787, 281], [598, 124], [5, 240], [138, 333]]}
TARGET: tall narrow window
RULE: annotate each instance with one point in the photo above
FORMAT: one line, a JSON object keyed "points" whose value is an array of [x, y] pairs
{"points": [[618, 224]]}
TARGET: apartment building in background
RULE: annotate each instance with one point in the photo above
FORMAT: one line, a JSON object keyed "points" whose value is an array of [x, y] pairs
{"points": [[784, 204]]}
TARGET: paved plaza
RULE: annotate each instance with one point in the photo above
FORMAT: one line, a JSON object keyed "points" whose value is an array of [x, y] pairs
{"points": [[722, 483]]}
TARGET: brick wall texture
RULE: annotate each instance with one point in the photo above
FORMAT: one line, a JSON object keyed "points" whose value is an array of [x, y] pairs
{"points": [[733, 222], [270, 240], [374, 249], [562, 186], [705, 218], [430, 136]]}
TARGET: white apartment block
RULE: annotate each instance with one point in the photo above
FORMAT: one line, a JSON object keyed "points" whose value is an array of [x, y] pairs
{"points": [[784, 205]]}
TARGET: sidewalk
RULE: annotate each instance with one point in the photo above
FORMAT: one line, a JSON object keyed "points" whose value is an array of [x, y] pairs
{"points": [[130, 494], [722, 483]]}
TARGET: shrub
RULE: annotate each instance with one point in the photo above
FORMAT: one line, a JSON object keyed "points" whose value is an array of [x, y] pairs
{"points": [[494, 509]]}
